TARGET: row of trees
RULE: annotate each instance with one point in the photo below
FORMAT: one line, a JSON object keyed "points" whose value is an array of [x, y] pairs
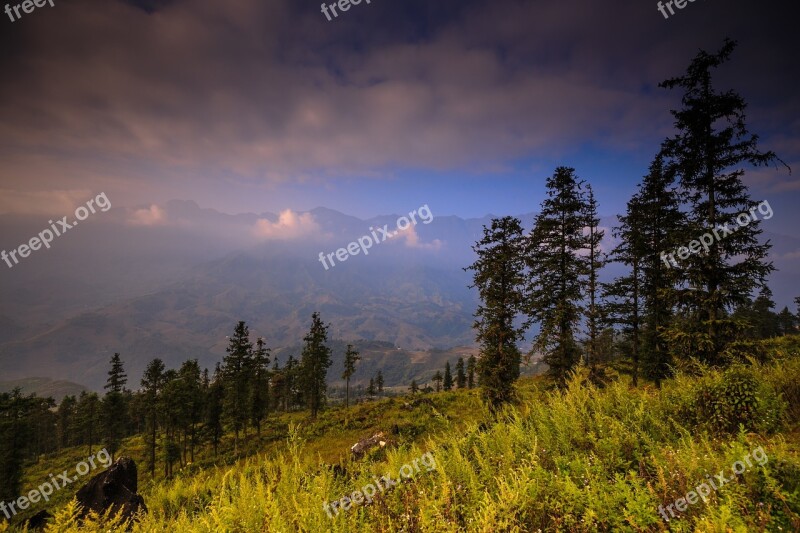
{"points": [[465, 377], [239, 395], [179, 410], [176, 410], [657, 312]]}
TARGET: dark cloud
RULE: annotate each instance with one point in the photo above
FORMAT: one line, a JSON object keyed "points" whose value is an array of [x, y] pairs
{"points": [[270, 91]]}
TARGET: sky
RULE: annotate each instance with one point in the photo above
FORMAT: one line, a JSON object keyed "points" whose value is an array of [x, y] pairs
{"points": [[467, 106]]}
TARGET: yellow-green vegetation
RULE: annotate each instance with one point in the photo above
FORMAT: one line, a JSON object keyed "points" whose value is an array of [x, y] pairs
{"points": [[582, 459]]}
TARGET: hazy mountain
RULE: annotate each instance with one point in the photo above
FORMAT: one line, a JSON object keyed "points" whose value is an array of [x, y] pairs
{"points": [[172, 282], [43, 387]]}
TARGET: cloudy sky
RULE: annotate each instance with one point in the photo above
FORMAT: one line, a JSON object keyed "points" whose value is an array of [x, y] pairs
{"points": [[265, 105]]}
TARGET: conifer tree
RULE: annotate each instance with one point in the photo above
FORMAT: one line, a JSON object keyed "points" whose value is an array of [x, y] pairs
{"points": [[379, 382], [437, 378], [623, 300], [214, 405], [259, 384], [314, 364], [447, 380], [414, 388], [787, 323], [190, 411], [152, 383], [499, 278], [706, 154], [89, 417], [595, 261], [642, 300], [236, 367], [351, 357], [766, 320], [461, 377], [67, 415], [558, 272], [114, 406], [471, 366]]}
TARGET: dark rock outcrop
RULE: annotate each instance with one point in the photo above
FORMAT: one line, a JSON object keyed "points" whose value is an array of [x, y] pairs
{"points": [[113, 489], [38, 521]]}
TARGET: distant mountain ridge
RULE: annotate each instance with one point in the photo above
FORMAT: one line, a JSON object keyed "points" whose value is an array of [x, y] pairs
{"points": [[44, 387], [176, 289]]}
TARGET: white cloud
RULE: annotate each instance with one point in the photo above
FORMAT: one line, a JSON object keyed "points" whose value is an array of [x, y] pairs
{"points": [[411, 238], [152, 216], [290, 225]]}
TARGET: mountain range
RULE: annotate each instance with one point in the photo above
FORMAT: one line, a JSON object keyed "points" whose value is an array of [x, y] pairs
{"points": [[172, 281]]}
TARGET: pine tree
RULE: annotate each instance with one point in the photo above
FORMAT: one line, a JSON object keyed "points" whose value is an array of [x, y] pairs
{"points": [[595, 261], [314, 364], [379, 383], [642, 301], [89, 413], [766, 320], [152, 384], [190, 412], [214, 404], [447, 381], [706, 154], [114, 406], [67, 415], [414, 388], [662, 228], [471, 366], [797, 307], [16, 432], [236, 379], [787, 322], [623, 297], [437, 378], [558, 272], [498, 276], [170, 408], [351, 357], [371, 387], [259, 384], [292, 379], [117, 379], [461, 377]]}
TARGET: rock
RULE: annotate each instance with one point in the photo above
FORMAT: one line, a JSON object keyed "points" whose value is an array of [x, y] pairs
{"points": [[39, 520], [360, 448], [115, 488]]}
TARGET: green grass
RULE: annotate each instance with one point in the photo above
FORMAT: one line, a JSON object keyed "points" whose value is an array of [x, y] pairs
{"points": [[579, 460]]}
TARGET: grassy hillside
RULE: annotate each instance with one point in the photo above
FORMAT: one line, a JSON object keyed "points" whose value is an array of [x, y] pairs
{"points": [[581, 460]]}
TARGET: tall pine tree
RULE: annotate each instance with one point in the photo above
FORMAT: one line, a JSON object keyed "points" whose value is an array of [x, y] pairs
{"points": [[706, 154], [351, 357], [152, 384], [236, 380], [499, 278], [314, 364], [115, 407], [558, 272]]}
